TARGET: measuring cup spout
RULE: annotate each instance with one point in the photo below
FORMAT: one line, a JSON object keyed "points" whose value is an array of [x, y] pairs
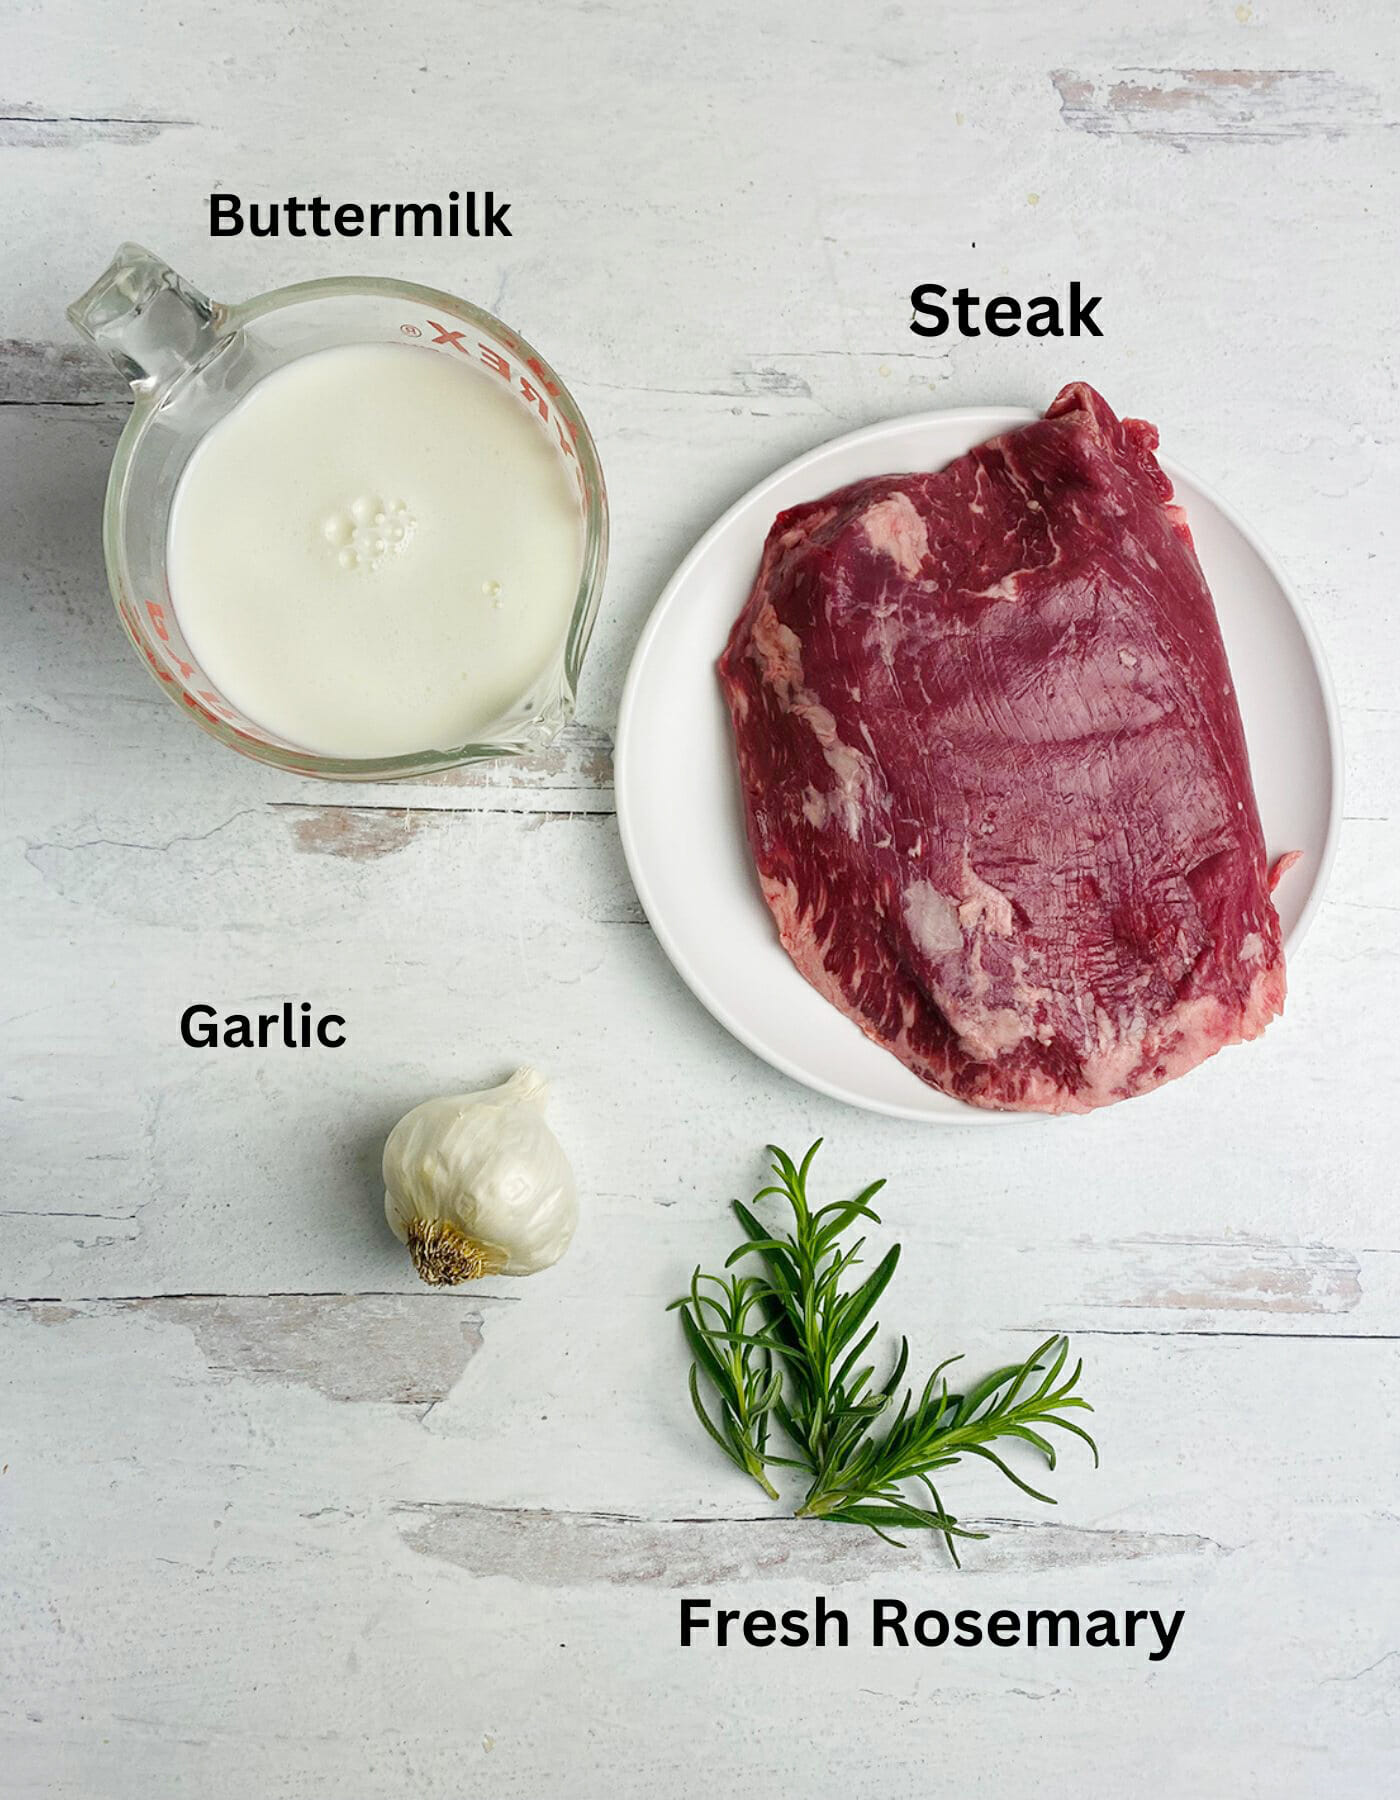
{"points": [[147, 319]]}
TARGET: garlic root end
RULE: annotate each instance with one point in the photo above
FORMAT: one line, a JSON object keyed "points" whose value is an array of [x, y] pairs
{"points": [[444, 1256]]}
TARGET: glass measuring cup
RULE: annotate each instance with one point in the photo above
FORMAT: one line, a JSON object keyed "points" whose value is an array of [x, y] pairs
{"points": [[190, 360]]}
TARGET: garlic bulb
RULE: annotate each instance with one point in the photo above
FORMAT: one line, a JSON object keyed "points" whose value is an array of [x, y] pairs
{"points": [[476, 1184]]}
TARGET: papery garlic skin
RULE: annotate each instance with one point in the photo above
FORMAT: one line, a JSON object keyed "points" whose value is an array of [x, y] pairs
{"points": [[476, 1184]]}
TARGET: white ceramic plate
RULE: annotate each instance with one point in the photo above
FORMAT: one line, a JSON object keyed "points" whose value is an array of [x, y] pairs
{"points": [[678, 795]]}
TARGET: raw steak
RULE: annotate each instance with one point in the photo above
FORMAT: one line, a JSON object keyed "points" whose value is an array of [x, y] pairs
{"points": [[996, 784]]}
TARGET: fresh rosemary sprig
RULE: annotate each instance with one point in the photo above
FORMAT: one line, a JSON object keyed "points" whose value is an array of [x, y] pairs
{"points": [[800, 1364], [812, 1324], [736, 1365]]}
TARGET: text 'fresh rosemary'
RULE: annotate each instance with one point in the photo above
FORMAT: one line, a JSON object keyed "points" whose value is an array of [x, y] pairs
{"points": [[894, 1624]]}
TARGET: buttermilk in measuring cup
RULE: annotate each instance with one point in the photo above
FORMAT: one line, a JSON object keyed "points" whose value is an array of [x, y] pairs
{"points": [[376, 551]]}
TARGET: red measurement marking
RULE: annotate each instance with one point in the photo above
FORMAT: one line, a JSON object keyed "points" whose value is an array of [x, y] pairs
{"points": [[537, 369], [444, 336], [156, 615], [494, 360], [157, 666]]}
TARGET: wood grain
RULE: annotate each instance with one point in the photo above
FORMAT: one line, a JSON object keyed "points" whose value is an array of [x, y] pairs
{"points": [[1188, 106], [26, 127], [545, 1548]]}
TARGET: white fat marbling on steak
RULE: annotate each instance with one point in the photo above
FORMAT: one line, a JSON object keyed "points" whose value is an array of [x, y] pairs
{"points": [[778, 651], [932, 919], [895, 529], [984, 905]]}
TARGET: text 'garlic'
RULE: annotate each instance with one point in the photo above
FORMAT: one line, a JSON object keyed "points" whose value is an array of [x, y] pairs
{"points": [[476, 1184]]}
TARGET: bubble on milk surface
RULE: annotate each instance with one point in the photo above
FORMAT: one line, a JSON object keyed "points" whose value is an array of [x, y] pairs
{"points": [[367, 531]]}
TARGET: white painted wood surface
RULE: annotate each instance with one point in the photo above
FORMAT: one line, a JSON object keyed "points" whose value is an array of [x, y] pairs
{"points": [[274, 1521]]}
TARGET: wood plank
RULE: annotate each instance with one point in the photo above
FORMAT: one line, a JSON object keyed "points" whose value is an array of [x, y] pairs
{"points": [[528, 1575]]}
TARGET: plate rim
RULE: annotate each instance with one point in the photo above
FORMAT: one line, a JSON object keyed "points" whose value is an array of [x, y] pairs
{"points": [[636, 671]]}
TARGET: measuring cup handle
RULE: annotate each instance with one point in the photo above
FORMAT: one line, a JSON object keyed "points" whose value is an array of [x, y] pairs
{"points": [[147, 319]]}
